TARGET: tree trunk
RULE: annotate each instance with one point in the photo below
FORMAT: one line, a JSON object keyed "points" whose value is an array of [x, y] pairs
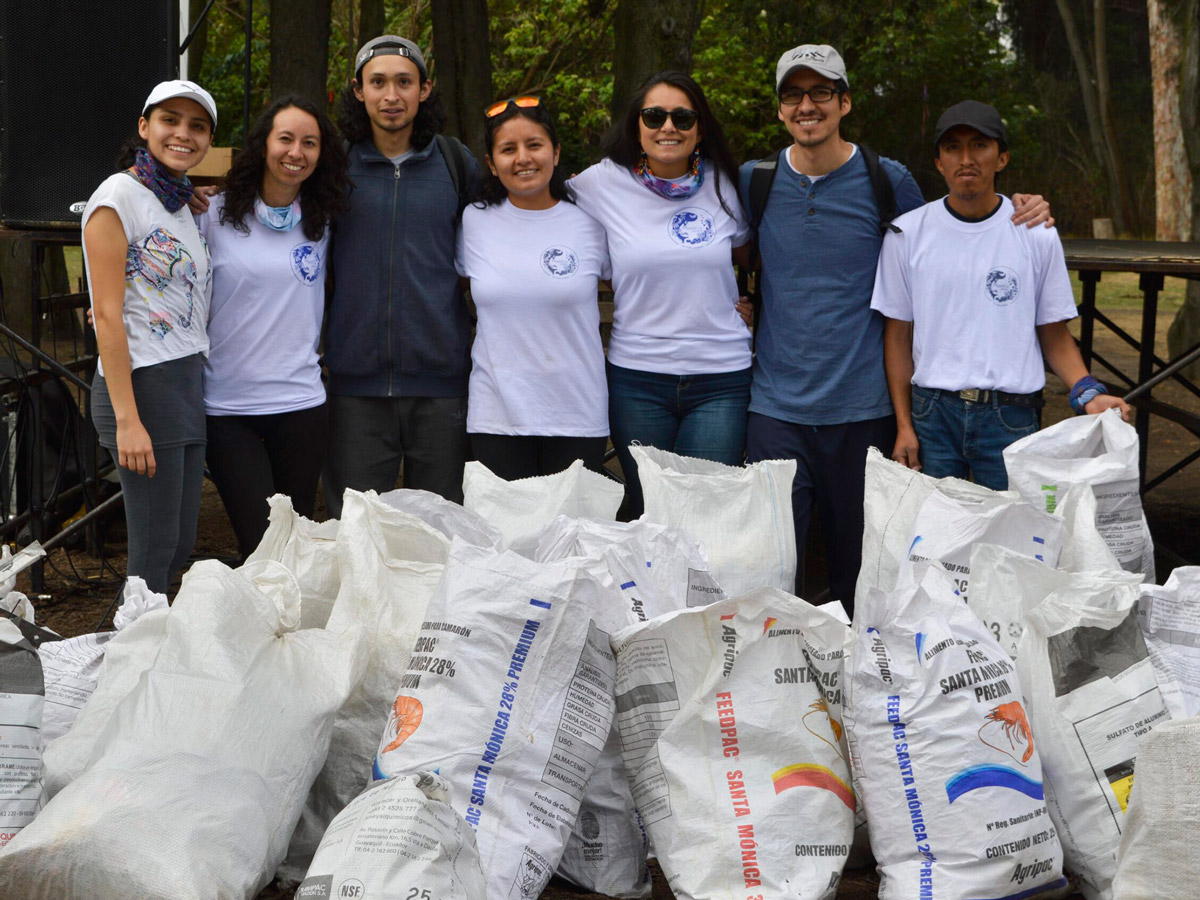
{"points": [[371, 23], [195, 54], [1091, 109], [1172, 179], [1184, 332], [300, 48], [1112, 144], [649, 36], [464, 67]]}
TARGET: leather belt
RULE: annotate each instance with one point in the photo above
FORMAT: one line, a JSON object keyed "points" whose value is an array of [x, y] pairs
{"points": [[985, 395]]}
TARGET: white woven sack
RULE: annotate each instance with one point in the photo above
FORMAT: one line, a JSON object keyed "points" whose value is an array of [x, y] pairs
{"points": [[71, 667], [389, 564], [309, 551], [21, 697], [199, 778], [520, 509], [1084, 548], [1157, 859], [1092, 695], [741, 514], [1170, 620], [948, 768], [398, 836], [1098, 450], [738, 771], [658, 570], [1004, 585], [127, 655], [946, 528], [451, 519], [892, 498], [509, 696]]}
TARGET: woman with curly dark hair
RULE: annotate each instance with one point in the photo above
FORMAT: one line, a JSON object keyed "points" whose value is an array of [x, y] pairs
{"points": [[268, 231], [679, 355], [536, 400]]}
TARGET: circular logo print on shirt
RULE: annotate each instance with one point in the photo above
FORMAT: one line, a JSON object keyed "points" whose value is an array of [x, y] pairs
{"points": [[560, 262], [692, 227], [306, 263], [1002, 286]]}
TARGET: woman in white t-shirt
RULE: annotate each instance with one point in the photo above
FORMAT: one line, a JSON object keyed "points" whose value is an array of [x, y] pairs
{"points": [[269, 234], [148, 274], [537, 399], [679, 355]]}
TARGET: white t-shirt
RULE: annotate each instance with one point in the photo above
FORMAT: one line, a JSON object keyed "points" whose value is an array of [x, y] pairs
{"points": [[975, 293], [167, 277], [268, 299], [673, 282], [537, 365]]}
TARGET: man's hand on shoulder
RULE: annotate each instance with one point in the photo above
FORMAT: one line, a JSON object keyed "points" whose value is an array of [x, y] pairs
{"points": [[1030, 210], [199, 202], [1102, 402]]}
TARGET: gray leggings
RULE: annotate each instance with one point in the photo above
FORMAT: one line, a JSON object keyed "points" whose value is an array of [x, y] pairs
{"points": [[161, 513]]}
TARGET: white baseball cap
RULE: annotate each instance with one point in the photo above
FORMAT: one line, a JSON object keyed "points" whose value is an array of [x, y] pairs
{"points": [[168, 90]]}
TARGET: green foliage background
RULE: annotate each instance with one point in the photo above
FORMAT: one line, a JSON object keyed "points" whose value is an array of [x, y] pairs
{"points": [[908, 60]]}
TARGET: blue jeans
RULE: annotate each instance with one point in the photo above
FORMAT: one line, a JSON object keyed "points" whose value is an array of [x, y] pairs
{"points": [[693, 415], [961, 438]]}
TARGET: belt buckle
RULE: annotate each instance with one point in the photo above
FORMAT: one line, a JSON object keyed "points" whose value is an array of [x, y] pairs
{"points": [[971, 395]]}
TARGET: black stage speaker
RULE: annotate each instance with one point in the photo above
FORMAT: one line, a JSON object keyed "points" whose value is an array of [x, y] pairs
{"points": [[73, 77]]}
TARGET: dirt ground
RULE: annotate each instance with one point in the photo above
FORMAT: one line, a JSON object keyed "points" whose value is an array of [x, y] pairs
{"points": [[80, 588]]}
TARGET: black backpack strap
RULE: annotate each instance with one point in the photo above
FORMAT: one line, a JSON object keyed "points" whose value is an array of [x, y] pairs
{"points": [[762, 177], [455, 155], [881, 184]]}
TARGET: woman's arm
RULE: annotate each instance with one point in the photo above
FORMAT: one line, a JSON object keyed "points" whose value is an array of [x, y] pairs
{"points": [[107, 248]]}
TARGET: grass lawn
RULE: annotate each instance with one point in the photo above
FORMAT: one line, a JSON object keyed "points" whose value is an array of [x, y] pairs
{"points": [[1119, 290]]}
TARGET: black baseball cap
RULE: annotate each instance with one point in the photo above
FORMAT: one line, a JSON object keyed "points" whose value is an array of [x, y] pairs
{"points": [[973, 114]]}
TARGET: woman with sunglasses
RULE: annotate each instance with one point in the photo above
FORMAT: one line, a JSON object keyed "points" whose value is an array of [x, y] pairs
{"points": [[537, 399], [149, 278], [679, 355], [269, 234]]}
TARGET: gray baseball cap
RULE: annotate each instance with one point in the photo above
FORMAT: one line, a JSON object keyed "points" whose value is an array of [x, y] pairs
{"points": [[821, 58], [390, 45]]}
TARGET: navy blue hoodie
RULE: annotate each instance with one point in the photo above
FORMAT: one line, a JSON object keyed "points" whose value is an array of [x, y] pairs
{"points": [[397, 324]]}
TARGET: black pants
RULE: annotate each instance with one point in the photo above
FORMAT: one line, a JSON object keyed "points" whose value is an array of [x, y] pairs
{"points": [[830, 476], [524, 456], [252, 457]]}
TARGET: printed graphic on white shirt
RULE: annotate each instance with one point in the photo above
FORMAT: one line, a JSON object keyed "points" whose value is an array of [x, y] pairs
{"points": [[692, 227]]}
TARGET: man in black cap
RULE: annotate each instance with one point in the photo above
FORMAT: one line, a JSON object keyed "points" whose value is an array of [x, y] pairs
{"points": [[397, 338], [972, 304]]}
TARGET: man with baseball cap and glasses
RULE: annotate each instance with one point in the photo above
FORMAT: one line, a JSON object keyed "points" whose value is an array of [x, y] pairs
{"points": [[397, 337], [972, 305], [820, 394]]}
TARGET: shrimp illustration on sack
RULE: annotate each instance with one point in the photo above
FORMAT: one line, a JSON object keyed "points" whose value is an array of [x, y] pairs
{"points": [[406, 716]]}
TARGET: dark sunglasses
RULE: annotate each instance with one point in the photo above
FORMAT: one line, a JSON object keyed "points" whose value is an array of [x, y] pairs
{"points": [[655, 117], [527, 102]]}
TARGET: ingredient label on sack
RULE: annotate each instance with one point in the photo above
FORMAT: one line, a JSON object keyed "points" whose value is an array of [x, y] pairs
{"points": [[20, 732], [647, 701], [1118, 519], [70, 668], [1170, 621]]}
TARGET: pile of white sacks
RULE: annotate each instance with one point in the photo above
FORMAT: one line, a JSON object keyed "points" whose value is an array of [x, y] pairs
{"points": [[427, 701]]}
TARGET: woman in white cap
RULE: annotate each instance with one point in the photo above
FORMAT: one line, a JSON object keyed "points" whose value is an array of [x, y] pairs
{"points": [[148, 274]]}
